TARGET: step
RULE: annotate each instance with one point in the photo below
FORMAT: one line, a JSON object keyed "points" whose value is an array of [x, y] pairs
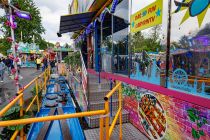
{"points": [[99, 105], [99, 96], [93, 121], [106, 85], [92, 83], [129, 132]]}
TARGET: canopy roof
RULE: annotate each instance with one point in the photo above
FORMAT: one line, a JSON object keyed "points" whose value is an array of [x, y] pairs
{"points": [[62, 49], [75, 22]]}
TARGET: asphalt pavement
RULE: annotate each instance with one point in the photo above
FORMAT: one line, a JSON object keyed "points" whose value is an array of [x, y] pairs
{"points": [[8, 88]]}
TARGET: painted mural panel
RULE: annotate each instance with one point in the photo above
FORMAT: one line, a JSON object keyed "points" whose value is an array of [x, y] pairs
{"points": [[162, 117], [190, 54], [189, 68]]}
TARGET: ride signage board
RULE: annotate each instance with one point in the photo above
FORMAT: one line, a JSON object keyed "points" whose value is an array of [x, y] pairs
{"points": [[147, 17]]}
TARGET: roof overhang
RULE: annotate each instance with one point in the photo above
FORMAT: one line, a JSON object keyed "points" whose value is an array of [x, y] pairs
{"points": [[75, 22]]}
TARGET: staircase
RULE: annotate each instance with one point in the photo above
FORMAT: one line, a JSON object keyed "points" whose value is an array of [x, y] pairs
{"points": [[96, 94]]}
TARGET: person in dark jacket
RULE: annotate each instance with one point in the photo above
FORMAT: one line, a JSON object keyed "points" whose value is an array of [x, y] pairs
{"points": [[45, 63], [52, 65], [9, 64]]}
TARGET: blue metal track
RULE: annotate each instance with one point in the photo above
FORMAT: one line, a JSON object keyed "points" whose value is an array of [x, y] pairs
{"points": [[54, 132]]}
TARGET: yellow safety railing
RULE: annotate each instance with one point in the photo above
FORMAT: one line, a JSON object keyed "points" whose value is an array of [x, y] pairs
{"points": [[109, 129], [104, 114], [40, 84]]}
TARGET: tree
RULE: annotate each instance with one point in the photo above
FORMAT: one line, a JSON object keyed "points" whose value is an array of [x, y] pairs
{"points": [[155, 33], [43, 44], [141, 43], [205, 30], [28, 28], [4, 46], [175, 45], [66, 45], [184, 42]]}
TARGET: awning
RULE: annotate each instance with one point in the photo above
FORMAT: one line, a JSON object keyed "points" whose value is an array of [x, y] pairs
{"points": [[76, 22]]}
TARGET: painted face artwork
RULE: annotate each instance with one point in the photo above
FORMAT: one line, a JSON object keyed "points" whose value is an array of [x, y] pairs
{"points": [[196, 7]]}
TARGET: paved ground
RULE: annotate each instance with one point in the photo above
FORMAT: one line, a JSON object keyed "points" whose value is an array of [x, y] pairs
{"points": [[8, 89], [129, 133]]}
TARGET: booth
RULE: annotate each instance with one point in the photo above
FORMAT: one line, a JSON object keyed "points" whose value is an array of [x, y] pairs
{"points": [[27, 53]]}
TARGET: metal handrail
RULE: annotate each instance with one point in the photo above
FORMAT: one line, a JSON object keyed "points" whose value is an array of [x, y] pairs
{"points": [[109, 129], [83, 63], [6, 108], [46, 75], [51, 118], [104, 113], [85, 76]]}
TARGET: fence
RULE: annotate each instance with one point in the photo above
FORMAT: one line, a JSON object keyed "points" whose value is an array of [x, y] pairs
{"points": [[104, 115], [84, 77], [40, 84]]}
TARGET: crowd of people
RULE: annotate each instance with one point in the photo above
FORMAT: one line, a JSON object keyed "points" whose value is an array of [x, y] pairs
{"points": [[7, 65], [44, 63]]}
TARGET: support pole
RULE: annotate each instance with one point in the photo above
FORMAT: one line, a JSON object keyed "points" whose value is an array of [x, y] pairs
{"points": [[13, 49], [107, 119], [120, 106], [112, 63], [168, 45], [101, 128]]}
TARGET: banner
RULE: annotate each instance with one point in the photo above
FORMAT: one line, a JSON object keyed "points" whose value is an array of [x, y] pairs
{"points": [[147, 17]]}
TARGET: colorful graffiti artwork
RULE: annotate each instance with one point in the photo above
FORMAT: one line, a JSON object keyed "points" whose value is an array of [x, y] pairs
{"points": [[175, 119], [152, 116], [195, 117]]}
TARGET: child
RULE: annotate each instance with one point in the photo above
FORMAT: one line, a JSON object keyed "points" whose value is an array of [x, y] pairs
{"points": [[2, 68]]}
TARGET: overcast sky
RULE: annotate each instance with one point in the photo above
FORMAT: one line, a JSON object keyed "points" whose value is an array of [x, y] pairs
{"points": [[51, 12]]}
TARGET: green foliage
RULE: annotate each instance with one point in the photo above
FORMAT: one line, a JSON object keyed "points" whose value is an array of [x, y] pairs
{"points": [[73, 59], [108, 43], [139, 42], [194, 116], [79, 44], [28, 28], [33, 91], [13, 114], [4, 46], [43, 44], [184, 42]]}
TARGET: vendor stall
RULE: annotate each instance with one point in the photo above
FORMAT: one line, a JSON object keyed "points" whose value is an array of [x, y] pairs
{"points": [[27, 53]]}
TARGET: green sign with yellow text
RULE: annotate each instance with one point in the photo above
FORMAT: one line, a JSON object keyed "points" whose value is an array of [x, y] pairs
{"points": [[147, 17]]}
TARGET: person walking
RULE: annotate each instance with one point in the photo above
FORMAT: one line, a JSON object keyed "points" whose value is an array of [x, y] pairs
{"points": [[158, 63], [19, 63], [52, 65], [45, 62], [38, 63], [8, 63], [2, 69]]}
